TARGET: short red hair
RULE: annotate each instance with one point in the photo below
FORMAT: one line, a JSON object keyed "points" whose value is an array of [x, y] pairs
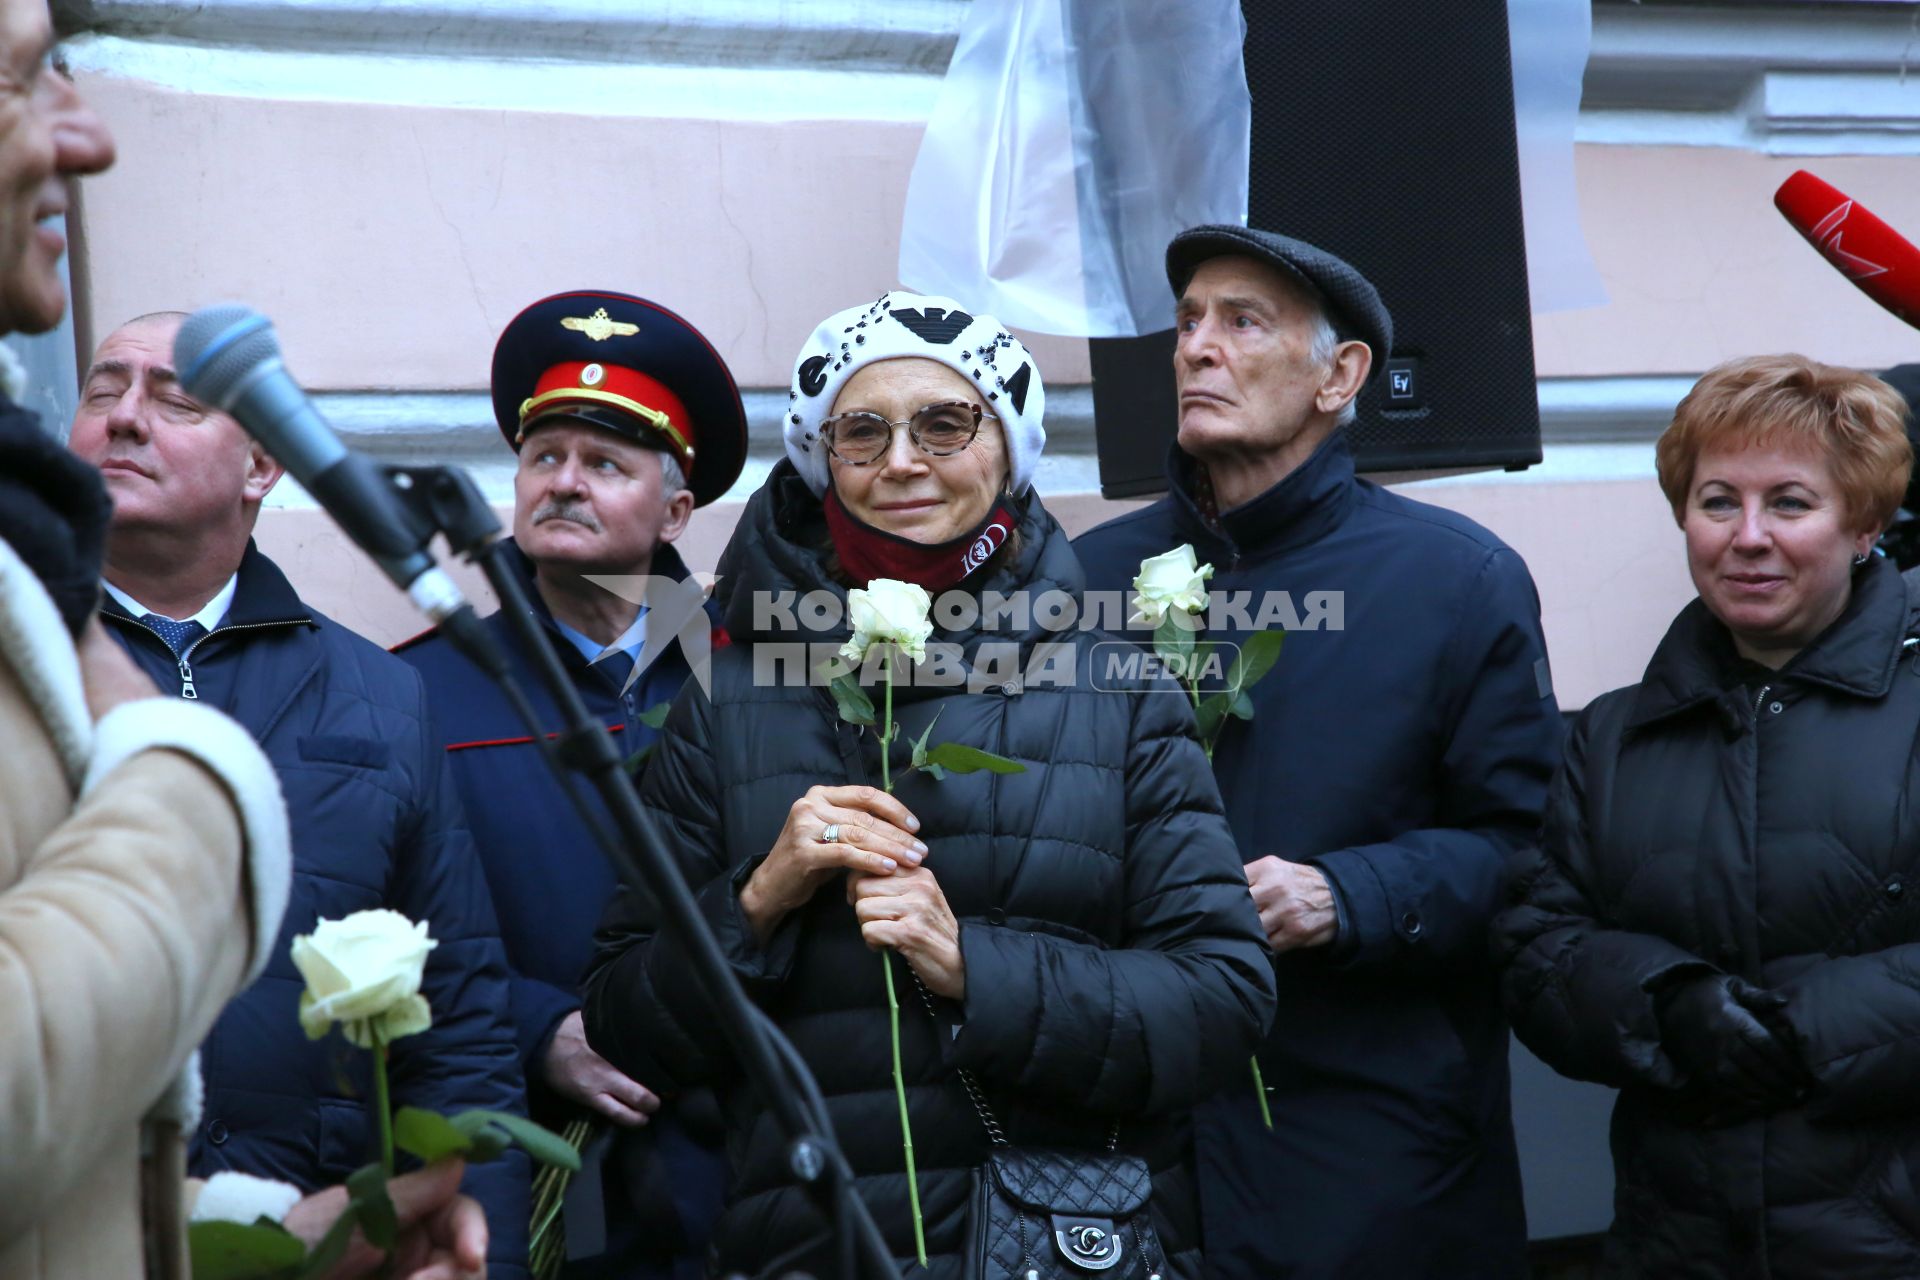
{"points": [[1854, 419]]}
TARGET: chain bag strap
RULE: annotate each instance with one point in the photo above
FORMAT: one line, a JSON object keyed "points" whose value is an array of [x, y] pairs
{"points": [[1040, 1214]]}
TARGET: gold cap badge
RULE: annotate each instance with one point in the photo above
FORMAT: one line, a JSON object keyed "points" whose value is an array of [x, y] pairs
{"points": [[600, 326]]}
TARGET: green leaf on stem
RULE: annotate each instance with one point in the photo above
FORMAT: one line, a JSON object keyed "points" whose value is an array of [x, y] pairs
{"points": [[920, 760], [957, 757], [1209, 716], [1241, 706], [428, 1135], [1173, 639], [1258, 653], [542, 1144], [655, 716], [488, 1139], [243, 1250], [855, 706], [367, 1186], [332, 1247]]}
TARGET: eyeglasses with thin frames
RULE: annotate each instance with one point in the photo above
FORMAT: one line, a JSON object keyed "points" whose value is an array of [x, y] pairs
{"points": [[940, 430]]}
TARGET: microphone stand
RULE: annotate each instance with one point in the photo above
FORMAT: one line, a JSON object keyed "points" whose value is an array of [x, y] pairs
{"points": [[445, 500]]}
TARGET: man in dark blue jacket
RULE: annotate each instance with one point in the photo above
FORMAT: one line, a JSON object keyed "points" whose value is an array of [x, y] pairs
{"points": [[624, 420], [1398, 750], [375, 819]]}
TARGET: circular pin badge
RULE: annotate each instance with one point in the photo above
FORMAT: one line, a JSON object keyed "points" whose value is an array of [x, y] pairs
{"points": [[592, 376]]}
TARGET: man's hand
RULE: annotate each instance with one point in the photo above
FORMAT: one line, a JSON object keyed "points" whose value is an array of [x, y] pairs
{"points": [[1295, 903], [443, 1234], [578, 1074], [109, 675]]}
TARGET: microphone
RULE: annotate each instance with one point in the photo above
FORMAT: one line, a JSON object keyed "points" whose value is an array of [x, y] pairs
{"points": [[1881, 262], [227, 357]]}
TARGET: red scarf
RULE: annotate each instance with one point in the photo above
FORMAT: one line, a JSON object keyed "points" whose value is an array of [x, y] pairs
{"points": [[867, 553]]}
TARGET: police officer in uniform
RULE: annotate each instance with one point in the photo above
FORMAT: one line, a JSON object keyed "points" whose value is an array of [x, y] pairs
{"points": [[624, 419]]}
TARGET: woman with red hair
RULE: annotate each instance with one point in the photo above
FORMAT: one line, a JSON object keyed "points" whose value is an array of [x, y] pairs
{"points": [[1718, 920]]}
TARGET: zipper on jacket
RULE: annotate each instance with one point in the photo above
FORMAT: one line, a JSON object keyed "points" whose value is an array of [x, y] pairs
{"points": [[1764, 690], [187, 689]]}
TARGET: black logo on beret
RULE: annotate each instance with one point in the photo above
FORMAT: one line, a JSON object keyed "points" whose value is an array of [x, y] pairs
{"points": [[813, 375], [935, 324], [1017, 387]]}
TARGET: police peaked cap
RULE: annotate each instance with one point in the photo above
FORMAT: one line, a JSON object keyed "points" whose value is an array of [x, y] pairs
{"points": [[631, 367]]}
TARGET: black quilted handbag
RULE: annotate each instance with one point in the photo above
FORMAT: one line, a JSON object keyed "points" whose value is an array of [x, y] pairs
{"points": [[1038, 1214], [1059, 1215]]}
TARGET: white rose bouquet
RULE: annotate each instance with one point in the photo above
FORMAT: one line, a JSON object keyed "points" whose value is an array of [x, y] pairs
{"points": [[1170, 593], [891, 620], [363, 974]]}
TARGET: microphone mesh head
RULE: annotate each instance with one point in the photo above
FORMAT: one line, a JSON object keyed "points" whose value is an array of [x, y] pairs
{"points": [[218, 346]]}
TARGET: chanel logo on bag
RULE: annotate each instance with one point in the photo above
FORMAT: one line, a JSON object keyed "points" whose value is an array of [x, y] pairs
{"points": [[1091, 1244]]}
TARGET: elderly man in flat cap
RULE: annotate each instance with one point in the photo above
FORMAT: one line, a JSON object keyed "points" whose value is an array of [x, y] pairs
{"points": [[624, 419], [1398, 750]]}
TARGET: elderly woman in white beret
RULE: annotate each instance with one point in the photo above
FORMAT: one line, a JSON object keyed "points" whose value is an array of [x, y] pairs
{"points": [[1076, 957]]}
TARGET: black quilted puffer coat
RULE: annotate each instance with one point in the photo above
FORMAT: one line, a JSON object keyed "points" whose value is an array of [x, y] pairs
{"points": [[1115, 968], [1714, 820]]}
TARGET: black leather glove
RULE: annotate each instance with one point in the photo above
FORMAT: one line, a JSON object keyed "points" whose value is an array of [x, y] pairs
{"points": [[1713, 1029]]}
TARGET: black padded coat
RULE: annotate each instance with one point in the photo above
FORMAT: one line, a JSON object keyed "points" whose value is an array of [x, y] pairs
{"points": [[1767, 828], [1115, 966]]}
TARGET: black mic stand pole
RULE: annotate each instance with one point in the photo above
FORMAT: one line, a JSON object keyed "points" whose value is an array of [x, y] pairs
{"points": [[446, 499]]}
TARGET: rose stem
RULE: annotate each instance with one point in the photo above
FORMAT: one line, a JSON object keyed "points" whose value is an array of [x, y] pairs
{"points": [[906, 1129], [382, 1106], [893, 1003], [886, 730]]}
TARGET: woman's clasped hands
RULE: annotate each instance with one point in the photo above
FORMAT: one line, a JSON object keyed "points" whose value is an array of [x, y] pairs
{"points": [[867, 835]]}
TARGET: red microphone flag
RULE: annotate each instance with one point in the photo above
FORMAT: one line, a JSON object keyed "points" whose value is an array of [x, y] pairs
{"points": [[1881, 262]]}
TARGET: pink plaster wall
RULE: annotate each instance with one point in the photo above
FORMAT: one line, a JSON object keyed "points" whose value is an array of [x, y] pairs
{"points": [[392, 244], [1700, 267]]}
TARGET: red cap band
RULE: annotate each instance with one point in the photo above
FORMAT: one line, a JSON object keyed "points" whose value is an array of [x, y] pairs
{"points": [[590, 384]]}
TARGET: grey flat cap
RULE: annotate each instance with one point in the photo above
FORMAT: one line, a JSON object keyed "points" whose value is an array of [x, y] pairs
{"points": [[1352, 301]]}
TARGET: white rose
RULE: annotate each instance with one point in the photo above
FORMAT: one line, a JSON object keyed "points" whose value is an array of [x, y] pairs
{"points": [[362, 972], [1170, 581], [888, 612]]}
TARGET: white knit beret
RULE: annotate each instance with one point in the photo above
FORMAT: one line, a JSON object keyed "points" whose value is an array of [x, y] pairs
{"points": [[909, 324]]}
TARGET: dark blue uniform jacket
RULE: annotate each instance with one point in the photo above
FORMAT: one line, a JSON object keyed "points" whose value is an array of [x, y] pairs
{"points": [[551, 883], [1403, 744], [376, 823]]}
